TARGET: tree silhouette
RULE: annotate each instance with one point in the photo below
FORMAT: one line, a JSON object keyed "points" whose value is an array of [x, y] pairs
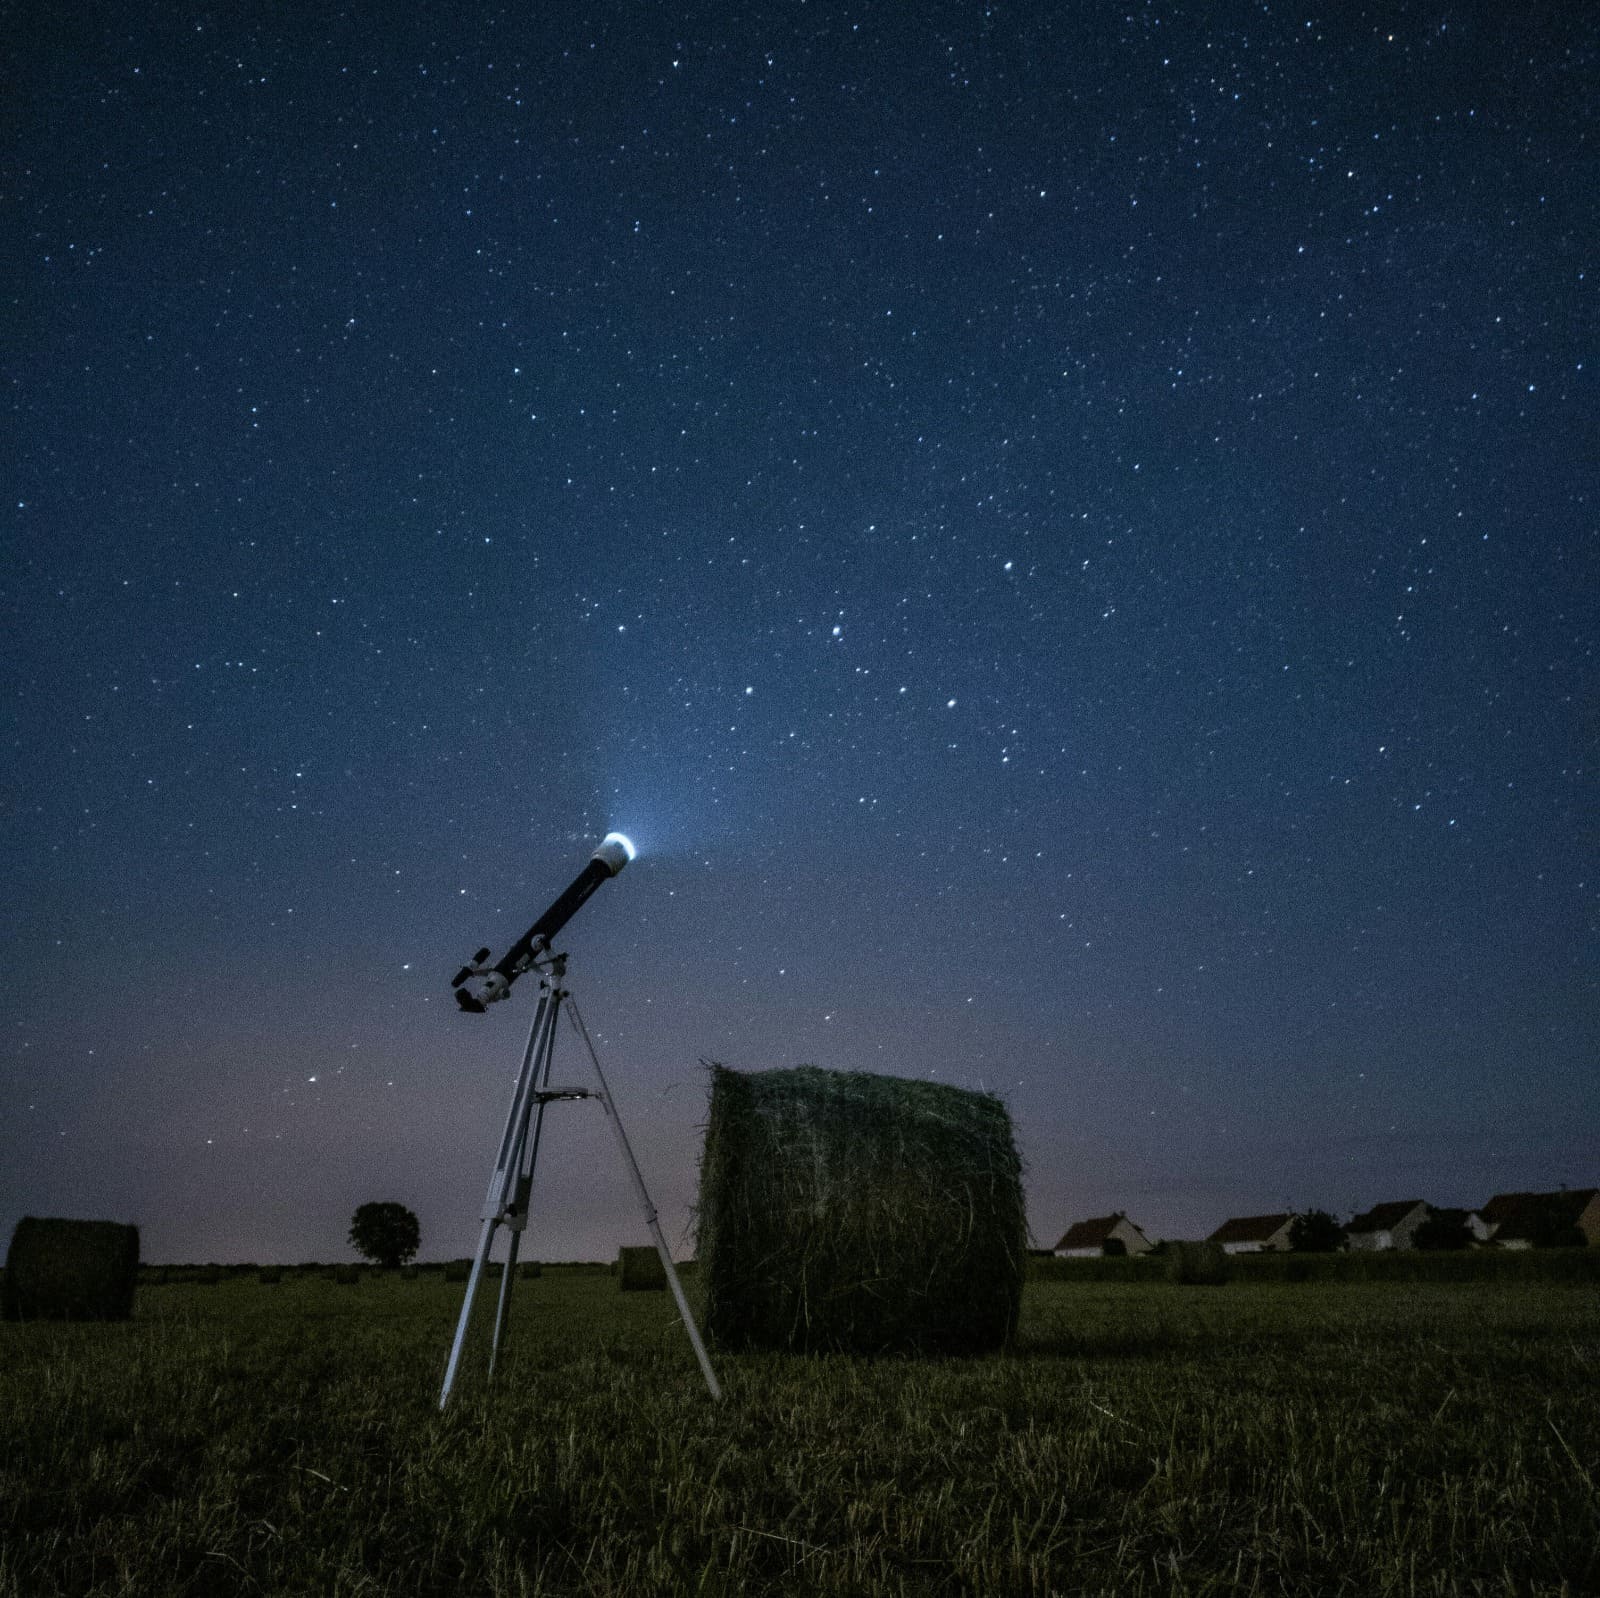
{"points": [[385, 1233], [1316, 1232], [1443, 1229]]}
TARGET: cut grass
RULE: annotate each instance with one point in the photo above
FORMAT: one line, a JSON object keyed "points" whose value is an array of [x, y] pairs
{"points": [[1338, 1438]]}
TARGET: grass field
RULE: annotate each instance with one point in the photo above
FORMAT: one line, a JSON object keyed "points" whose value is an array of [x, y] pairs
{"points": [[1349, 1437]]}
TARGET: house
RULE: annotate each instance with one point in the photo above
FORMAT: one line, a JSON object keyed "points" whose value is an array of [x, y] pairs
{"points": [[1523, 1220], [1109, 1234], [1387, 1225], [1253, 1234]]}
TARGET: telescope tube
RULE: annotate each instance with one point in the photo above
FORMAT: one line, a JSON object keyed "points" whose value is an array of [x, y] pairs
{"points": [[477, 987]]}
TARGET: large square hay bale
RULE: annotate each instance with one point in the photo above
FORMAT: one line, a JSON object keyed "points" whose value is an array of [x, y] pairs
{"points": [[70, 1271], [853, 1212], [639, 1270]]}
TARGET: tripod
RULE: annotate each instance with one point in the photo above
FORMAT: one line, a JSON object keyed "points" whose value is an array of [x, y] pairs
{"points": [[511, 1183]]}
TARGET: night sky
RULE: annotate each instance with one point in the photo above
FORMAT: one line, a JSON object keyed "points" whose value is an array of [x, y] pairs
{"points": [[1066, 534]]}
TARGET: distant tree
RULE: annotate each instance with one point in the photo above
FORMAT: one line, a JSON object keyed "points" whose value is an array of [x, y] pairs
{"points": [[1315, 1232], [385, 1233], [1443, 1229], [1549, 1224]]}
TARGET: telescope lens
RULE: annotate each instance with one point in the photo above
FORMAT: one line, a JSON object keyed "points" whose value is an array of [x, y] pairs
{"points": [[615, 852]]}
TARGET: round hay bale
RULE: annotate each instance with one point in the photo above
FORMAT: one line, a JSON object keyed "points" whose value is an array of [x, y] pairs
{"points": [[639, 1270], [853, 1212], [1197, 1264], [70, 1271]]}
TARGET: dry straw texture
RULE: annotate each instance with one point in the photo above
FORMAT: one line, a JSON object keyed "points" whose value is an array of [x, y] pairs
{"points": [[639, 1270], [70, 1271], [1198, 1264], [852, 1212]]}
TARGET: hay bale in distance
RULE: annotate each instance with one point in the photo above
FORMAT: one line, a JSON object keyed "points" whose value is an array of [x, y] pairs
{"points": [[60, 1270], [1197, 1264], [855, 1212], [639, 1270]]}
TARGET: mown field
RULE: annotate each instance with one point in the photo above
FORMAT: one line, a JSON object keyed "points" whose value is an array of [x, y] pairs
{"points": [[1271, 1436]]}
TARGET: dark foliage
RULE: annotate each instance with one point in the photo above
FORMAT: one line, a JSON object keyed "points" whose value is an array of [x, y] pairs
{"points": [[1444, 1230], [1315, 1232], [1548, 1223], [385, 1233]]}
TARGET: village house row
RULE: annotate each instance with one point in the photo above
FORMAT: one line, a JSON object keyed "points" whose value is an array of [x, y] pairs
{"points": [[1508, 1220]]}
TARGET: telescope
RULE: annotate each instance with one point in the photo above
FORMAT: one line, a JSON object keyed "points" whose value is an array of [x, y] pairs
{"points": [[478, 984]]}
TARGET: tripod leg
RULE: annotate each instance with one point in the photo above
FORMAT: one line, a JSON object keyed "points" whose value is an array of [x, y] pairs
{"points": [[502, 1310], [525, 1150], [712, 1385], [485, 1243], [507, 1195]]}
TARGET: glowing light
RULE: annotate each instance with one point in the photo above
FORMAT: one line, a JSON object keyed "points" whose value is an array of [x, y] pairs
{"points": [[624, 840]]}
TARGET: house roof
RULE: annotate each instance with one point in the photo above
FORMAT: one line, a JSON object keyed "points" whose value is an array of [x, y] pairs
{"points": [[1248, 1229], [1384, 1217], [1569, 1199], [1092, 1234], [1514, 1214]]}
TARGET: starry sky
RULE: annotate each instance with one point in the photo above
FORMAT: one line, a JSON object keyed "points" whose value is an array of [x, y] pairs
{"points": [[1066, 534]]}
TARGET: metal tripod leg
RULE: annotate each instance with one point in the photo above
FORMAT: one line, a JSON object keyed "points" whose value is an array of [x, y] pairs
{"points": [[650, 1217], [505, 1183]]}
